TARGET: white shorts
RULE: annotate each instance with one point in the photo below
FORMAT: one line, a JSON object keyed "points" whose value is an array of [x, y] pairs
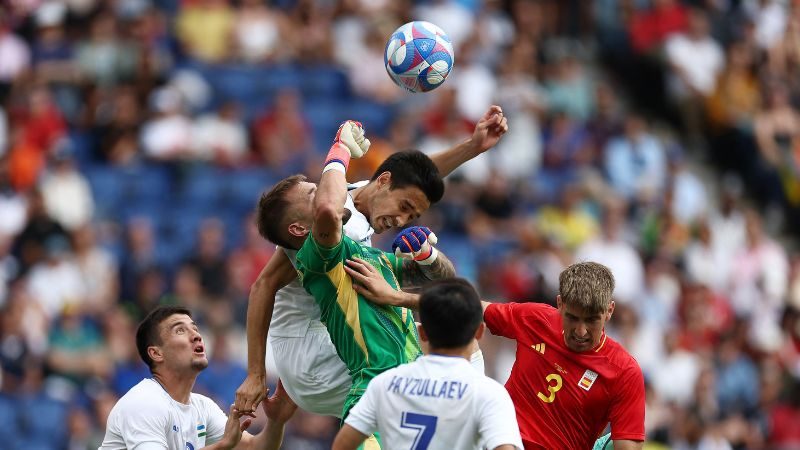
{"points": [[311, 372]]}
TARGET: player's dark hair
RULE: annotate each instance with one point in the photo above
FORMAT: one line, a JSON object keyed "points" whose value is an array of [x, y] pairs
{"points": [[450, 311], [413, 168], [271, 211], [148, 333]]}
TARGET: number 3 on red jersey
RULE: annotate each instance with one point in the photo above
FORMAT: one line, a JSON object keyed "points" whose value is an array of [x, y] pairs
{"points": [[552, 388]]}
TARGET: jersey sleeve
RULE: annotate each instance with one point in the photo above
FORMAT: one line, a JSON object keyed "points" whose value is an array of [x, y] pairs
{"points": [[498, 420], [215, 421], [501, 319], [627, 407], [364, 416]]}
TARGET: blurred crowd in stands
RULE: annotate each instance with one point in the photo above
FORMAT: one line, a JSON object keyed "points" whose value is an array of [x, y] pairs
{"points": [[660, 137]]}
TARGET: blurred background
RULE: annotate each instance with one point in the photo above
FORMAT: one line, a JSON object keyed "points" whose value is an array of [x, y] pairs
{"points": [[659, 137]]}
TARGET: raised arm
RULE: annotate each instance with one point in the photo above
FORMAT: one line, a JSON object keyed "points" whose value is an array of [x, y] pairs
{"points": [[277, 273], [332, 189], [487, 133]]}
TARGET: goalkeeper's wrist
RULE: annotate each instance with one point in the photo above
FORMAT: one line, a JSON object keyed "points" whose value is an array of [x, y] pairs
{"points": [[338, 158], [427, 259]]}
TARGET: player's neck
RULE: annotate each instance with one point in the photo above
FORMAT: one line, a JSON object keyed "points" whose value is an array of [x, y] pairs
{"points": [[360, 196], [459, 352], [179, 387]]}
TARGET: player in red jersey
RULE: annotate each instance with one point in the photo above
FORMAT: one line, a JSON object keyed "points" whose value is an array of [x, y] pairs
{"points": [[569, 379]]}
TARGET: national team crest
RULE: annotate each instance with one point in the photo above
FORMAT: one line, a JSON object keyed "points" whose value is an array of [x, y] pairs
{"points": [[587, 380]]}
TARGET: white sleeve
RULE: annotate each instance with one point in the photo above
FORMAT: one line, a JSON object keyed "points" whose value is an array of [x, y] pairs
{"points": [[497, 422], [215, 421], [363, 417], [144, 428]]}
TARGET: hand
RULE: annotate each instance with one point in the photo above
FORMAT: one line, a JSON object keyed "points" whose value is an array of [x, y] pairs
{"points": [[279, 407], [251, 392], [234, 428], [416, 243], [488, 131], [351, 135], [370, 283]]}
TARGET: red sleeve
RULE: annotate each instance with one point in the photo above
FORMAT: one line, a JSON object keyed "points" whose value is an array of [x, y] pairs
{"points": [[500, 318], [627, 407]]}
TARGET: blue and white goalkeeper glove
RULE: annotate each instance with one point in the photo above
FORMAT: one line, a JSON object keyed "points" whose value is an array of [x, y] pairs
{"points": [[416, 243]]}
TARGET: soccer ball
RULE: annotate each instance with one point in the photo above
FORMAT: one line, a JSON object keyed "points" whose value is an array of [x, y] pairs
{"points": [[418, 56]]}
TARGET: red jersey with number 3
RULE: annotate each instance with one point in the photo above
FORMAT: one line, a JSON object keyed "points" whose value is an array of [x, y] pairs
{"points": [[565, 399]]}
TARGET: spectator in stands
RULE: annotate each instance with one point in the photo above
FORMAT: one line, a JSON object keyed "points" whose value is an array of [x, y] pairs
{"points": [[221, 137], [56, 283], [16, 56], [66, 192], [258, 32], [104, 58], [695, 60], [168, 135], [205, 29], [636, 162], [282, 136], [99, 270], [759, 281], [209, 259], [612, 250], [29, 246]]}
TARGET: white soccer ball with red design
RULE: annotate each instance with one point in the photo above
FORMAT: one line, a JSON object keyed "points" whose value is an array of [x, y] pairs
{"points": [[419, 56]]}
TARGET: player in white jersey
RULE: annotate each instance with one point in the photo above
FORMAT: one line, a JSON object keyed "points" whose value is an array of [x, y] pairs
{"points": [[306, 360], [437, 402], [162, 412]]}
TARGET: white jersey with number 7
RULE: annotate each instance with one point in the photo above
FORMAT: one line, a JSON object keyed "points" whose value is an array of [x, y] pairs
{"points": [[436, 403]]}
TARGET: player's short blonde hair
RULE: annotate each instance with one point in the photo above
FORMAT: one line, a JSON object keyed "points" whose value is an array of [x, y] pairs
{"points": [[587, 285]]}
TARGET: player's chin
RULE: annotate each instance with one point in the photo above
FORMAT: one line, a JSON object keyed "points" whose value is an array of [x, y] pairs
{"points": [[200, 362]]}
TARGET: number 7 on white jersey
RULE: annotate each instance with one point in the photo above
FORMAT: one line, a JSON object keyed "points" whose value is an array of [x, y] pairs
{"points": [[425, 426]]}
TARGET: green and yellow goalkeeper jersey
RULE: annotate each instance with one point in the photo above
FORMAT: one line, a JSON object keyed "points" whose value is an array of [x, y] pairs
{"points": [[369, 338]]}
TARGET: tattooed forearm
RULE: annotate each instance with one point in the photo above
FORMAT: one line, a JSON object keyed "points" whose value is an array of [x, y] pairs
{"points": [[415, 275]]}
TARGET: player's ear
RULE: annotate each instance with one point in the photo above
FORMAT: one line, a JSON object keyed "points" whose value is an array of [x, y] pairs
{"points": [[155, 353], [480, 330], [559, 302], [298, 230], [384, 180], [610, 310], [422, 336]]}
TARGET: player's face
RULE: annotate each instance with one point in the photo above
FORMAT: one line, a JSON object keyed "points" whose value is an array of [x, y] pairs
{"points": [[396, 207], [583, 330], [182, 345]]}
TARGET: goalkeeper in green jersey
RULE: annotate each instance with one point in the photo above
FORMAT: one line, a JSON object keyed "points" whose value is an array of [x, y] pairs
{"points": [[368, 337]]}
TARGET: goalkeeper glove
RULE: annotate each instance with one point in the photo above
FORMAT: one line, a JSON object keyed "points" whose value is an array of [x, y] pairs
{"points": [[348, 143], [416, 243]]}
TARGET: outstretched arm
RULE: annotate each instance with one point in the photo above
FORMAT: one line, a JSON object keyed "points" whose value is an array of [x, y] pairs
{"points": [[332, 189], [277, 273], [488, 131]]}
